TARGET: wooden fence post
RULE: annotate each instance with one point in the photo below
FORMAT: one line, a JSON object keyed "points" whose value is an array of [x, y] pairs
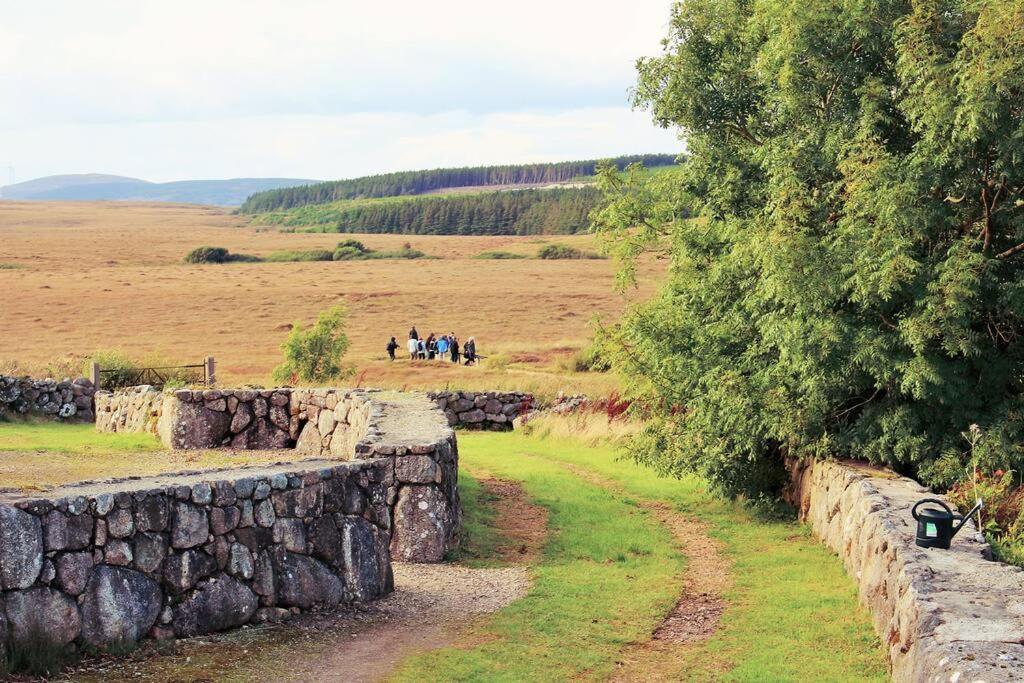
{"points": [[211, 366], [94, 375]]}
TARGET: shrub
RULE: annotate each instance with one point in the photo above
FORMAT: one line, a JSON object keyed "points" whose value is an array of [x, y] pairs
{"points": [[564, 251], [10, 266], [352, 244], [208, 255], [499, 255], [217, 255], [348, 253], [589, 359], [314, 355], [307, 255]]}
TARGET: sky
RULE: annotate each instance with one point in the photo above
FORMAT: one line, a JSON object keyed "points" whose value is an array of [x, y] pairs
{"points": [[318, 89]]}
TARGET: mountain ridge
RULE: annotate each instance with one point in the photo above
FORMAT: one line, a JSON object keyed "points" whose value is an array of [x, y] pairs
{"points": [[107, 187]]}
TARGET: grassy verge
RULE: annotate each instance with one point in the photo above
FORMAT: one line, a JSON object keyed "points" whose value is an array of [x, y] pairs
{"points": [[38, 455], [792, 613], [57, 437]]}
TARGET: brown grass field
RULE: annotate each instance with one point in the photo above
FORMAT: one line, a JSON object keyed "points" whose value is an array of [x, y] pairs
{"points": [[88, 276]]}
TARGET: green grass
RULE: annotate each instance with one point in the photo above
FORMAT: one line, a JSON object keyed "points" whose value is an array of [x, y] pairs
{"points": [[479, 537], [10, 266], [608, 574], [56, 437]]}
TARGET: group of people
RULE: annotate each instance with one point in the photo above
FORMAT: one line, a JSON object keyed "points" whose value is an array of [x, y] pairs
{"points": [[433, 347]]}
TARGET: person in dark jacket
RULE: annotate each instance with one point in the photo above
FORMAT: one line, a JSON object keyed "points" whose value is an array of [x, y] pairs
{"points": [[413, 334], [392, 346], [469, 351], [454, 346]]}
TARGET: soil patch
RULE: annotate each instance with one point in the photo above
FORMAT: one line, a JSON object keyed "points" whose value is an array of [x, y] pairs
{"points": [[696, 614], [522, 524]]}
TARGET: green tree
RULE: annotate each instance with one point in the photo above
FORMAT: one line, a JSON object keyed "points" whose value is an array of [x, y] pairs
{"points": [[314, 355], [853, 284]]}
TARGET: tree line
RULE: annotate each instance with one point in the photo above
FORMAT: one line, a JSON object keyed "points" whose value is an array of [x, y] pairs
{"points": [[420, 182], [558, 211]]}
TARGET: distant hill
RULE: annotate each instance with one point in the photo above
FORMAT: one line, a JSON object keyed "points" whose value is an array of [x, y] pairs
{"points": [[98, 186], [405, 183]]}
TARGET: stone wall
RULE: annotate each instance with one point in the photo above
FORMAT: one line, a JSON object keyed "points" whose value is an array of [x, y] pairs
{"points": [[135, 409], [494, 410], [942, 615], [407, 429], [64, 400], [105, 563]]}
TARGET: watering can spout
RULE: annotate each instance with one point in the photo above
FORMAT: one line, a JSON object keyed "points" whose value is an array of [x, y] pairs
{"points": [[964, 518]]}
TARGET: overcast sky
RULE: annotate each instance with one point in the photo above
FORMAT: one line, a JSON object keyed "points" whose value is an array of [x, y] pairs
{"points": [[181, 89]]}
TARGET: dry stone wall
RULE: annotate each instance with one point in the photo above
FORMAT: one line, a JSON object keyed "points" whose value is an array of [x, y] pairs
{"points": [[493, 410], [70, 400], [105, 563], [406, 429], [942, 615]]}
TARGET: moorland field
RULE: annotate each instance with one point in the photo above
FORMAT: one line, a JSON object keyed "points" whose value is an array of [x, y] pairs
{"points": [[85, 276]]}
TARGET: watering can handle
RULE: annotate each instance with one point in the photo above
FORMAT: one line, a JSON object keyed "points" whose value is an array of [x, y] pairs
{"points": [[913, 510]]}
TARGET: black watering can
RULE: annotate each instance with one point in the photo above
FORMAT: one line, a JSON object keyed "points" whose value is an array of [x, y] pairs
{"points": [[935, 528]]}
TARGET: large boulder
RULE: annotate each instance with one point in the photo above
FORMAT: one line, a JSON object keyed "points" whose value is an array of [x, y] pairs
{"points": [[218, 604], [305, 582], [422, 525], [190, 526], [183, 571], [184, 424], [120, 606], [67, 532], [417, 469], [365, 560], [21, 548], [42, 612], [73, 571]]}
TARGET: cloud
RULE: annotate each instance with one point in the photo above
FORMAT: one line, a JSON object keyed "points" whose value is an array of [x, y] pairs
{"points": [[327, 147], [274, 75]]}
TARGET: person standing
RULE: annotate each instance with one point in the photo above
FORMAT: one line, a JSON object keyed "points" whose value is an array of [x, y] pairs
{"points": [[392, 347], [413, 348], [442, 347], [469, 351], [455, 349], [413, 334]]}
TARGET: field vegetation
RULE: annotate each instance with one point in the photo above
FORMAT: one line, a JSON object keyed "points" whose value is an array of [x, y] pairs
{"points": [[110, 276]]}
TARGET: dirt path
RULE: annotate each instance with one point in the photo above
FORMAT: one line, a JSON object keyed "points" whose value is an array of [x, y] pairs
{"points": [[432, 606], [696, 614]]}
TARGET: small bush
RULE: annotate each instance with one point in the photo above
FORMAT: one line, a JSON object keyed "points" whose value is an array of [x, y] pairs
{"points": [[315, 355], [352, 244], [10, 266], [286, 256], [208, 255], [564, 251], [217, 255], [499, 255], [348, 253], [589, 359]]}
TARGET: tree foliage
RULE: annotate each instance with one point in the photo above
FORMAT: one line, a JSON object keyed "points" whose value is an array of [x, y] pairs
{"points": [[853, 286], [314, 355], [420, 182]]}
